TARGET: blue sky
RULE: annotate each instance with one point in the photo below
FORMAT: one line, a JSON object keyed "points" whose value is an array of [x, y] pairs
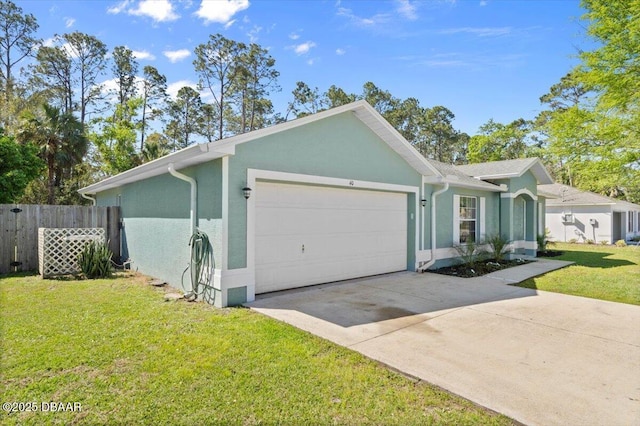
{"points": [[482, 59]]}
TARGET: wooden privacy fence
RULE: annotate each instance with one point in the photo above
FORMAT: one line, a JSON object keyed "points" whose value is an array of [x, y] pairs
{"points": [[19, 225]]}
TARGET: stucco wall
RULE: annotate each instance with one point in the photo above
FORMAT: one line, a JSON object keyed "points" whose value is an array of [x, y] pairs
{"points": [[339, 146], [155, 217], [444, 214], [526, 181], [581, 229]]}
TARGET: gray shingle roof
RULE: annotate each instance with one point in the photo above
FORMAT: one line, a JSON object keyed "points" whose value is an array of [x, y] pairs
{"points": [[508, 168], [567, 195], [457, 178]]}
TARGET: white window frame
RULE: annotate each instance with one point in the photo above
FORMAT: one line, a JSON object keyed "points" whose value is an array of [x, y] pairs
{"points": [[458, 220]]}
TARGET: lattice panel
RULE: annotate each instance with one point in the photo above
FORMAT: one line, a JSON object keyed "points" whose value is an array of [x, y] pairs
{"points": [[58, 248]]}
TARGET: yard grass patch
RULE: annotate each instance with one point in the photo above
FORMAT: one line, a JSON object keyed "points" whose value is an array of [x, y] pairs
{"points": [[600, 272], [128, 357]]}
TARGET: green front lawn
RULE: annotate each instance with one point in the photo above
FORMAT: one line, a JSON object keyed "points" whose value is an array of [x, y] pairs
{"points": [[128, 357], [601, 272]]}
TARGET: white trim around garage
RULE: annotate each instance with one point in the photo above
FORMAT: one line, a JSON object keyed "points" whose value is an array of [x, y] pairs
{"points": [[225, 212], [256, 174]]}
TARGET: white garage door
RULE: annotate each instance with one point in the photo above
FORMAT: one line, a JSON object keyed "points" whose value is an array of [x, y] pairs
{"points": [[310, 234]]}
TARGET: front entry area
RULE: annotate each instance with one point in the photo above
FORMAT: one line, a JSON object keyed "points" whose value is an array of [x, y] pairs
{"points": [[308, 234]]}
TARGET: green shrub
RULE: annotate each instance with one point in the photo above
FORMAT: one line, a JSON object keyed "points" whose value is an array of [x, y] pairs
{"points": [[621, 243], [498, 246], [95, 260], [636, 239], [543, 240], [590, 241], [572, 241], [604, 243], [470, 252]]}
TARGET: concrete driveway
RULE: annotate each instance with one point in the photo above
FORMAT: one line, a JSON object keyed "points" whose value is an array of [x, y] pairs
{"points": [[541, 358]]}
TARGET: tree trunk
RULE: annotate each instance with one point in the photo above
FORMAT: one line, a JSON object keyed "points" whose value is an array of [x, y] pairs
{"points": [[144, 123]]}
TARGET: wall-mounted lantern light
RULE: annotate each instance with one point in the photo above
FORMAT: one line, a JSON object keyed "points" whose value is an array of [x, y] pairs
{"points": [[247, 192], [423, 202]]}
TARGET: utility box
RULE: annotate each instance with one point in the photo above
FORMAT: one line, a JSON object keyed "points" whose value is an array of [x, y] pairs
{"points": [[58, 249], [593, 222]]}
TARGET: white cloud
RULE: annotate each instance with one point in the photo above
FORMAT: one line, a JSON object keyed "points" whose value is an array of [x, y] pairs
{"points": [[407, 9], [294, 36], [68, 22], [49, 42], [480, 32], [253, 33], [483, 2], [303, 48], [73, 53], [340, 51], [176, 55], [143, 54], [120, 7], [380, 18], [229, 24], [310, 61], [220, 11], [158, 10], [108, 88], [173, 88]]}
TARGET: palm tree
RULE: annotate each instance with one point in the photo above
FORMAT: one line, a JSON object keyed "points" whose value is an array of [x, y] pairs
{"points": [[156, 146], [61, 139]]}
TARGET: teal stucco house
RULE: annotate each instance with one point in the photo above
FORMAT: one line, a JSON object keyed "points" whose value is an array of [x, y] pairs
{"points": [[336, 195]]}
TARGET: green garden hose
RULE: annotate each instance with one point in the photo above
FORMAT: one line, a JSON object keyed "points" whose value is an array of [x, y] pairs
{"points": [[202, 267]]}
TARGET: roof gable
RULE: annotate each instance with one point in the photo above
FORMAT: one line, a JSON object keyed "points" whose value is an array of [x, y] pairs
{"points": [[507, 169], [201, 153], [455, 177]]}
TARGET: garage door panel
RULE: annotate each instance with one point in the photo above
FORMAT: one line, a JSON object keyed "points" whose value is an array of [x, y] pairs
{"points": [[288, 248], [345, 233], [326, 271]]}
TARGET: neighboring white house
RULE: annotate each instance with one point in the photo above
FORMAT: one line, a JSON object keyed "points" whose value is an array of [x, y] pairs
{"points": [[582, 215]]}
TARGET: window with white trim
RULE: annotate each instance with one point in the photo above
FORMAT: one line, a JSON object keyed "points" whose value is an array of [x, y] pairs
{"points": [[468, 217]]}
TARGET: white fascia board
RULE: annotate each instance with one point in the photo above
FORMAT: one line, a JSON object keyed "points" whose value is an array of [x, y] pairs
{"points": [[545, 177], [181, 159], [541, 173], [433, 180], [204, 152], [560, 204], [454, 181], [394, 139], [499, 176], [209, 151], [469, 185]]}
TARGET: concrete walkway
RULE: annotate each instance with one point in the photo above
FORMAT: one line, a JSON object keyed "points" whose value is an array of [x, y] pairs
{"points": [[541, 358]]}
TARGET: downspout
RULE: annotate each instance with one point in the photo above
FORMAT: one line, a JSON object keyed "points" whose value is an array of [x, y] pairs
{"points": [[433, 228], [194, 195], [93, 200], [191, 294]]}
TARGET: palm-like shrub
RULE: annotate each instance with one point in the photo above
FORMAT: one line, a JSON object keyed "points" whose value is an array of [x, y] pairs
{"points": [[498, 246], [543, 240], [95, 260], [470, 252]]}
